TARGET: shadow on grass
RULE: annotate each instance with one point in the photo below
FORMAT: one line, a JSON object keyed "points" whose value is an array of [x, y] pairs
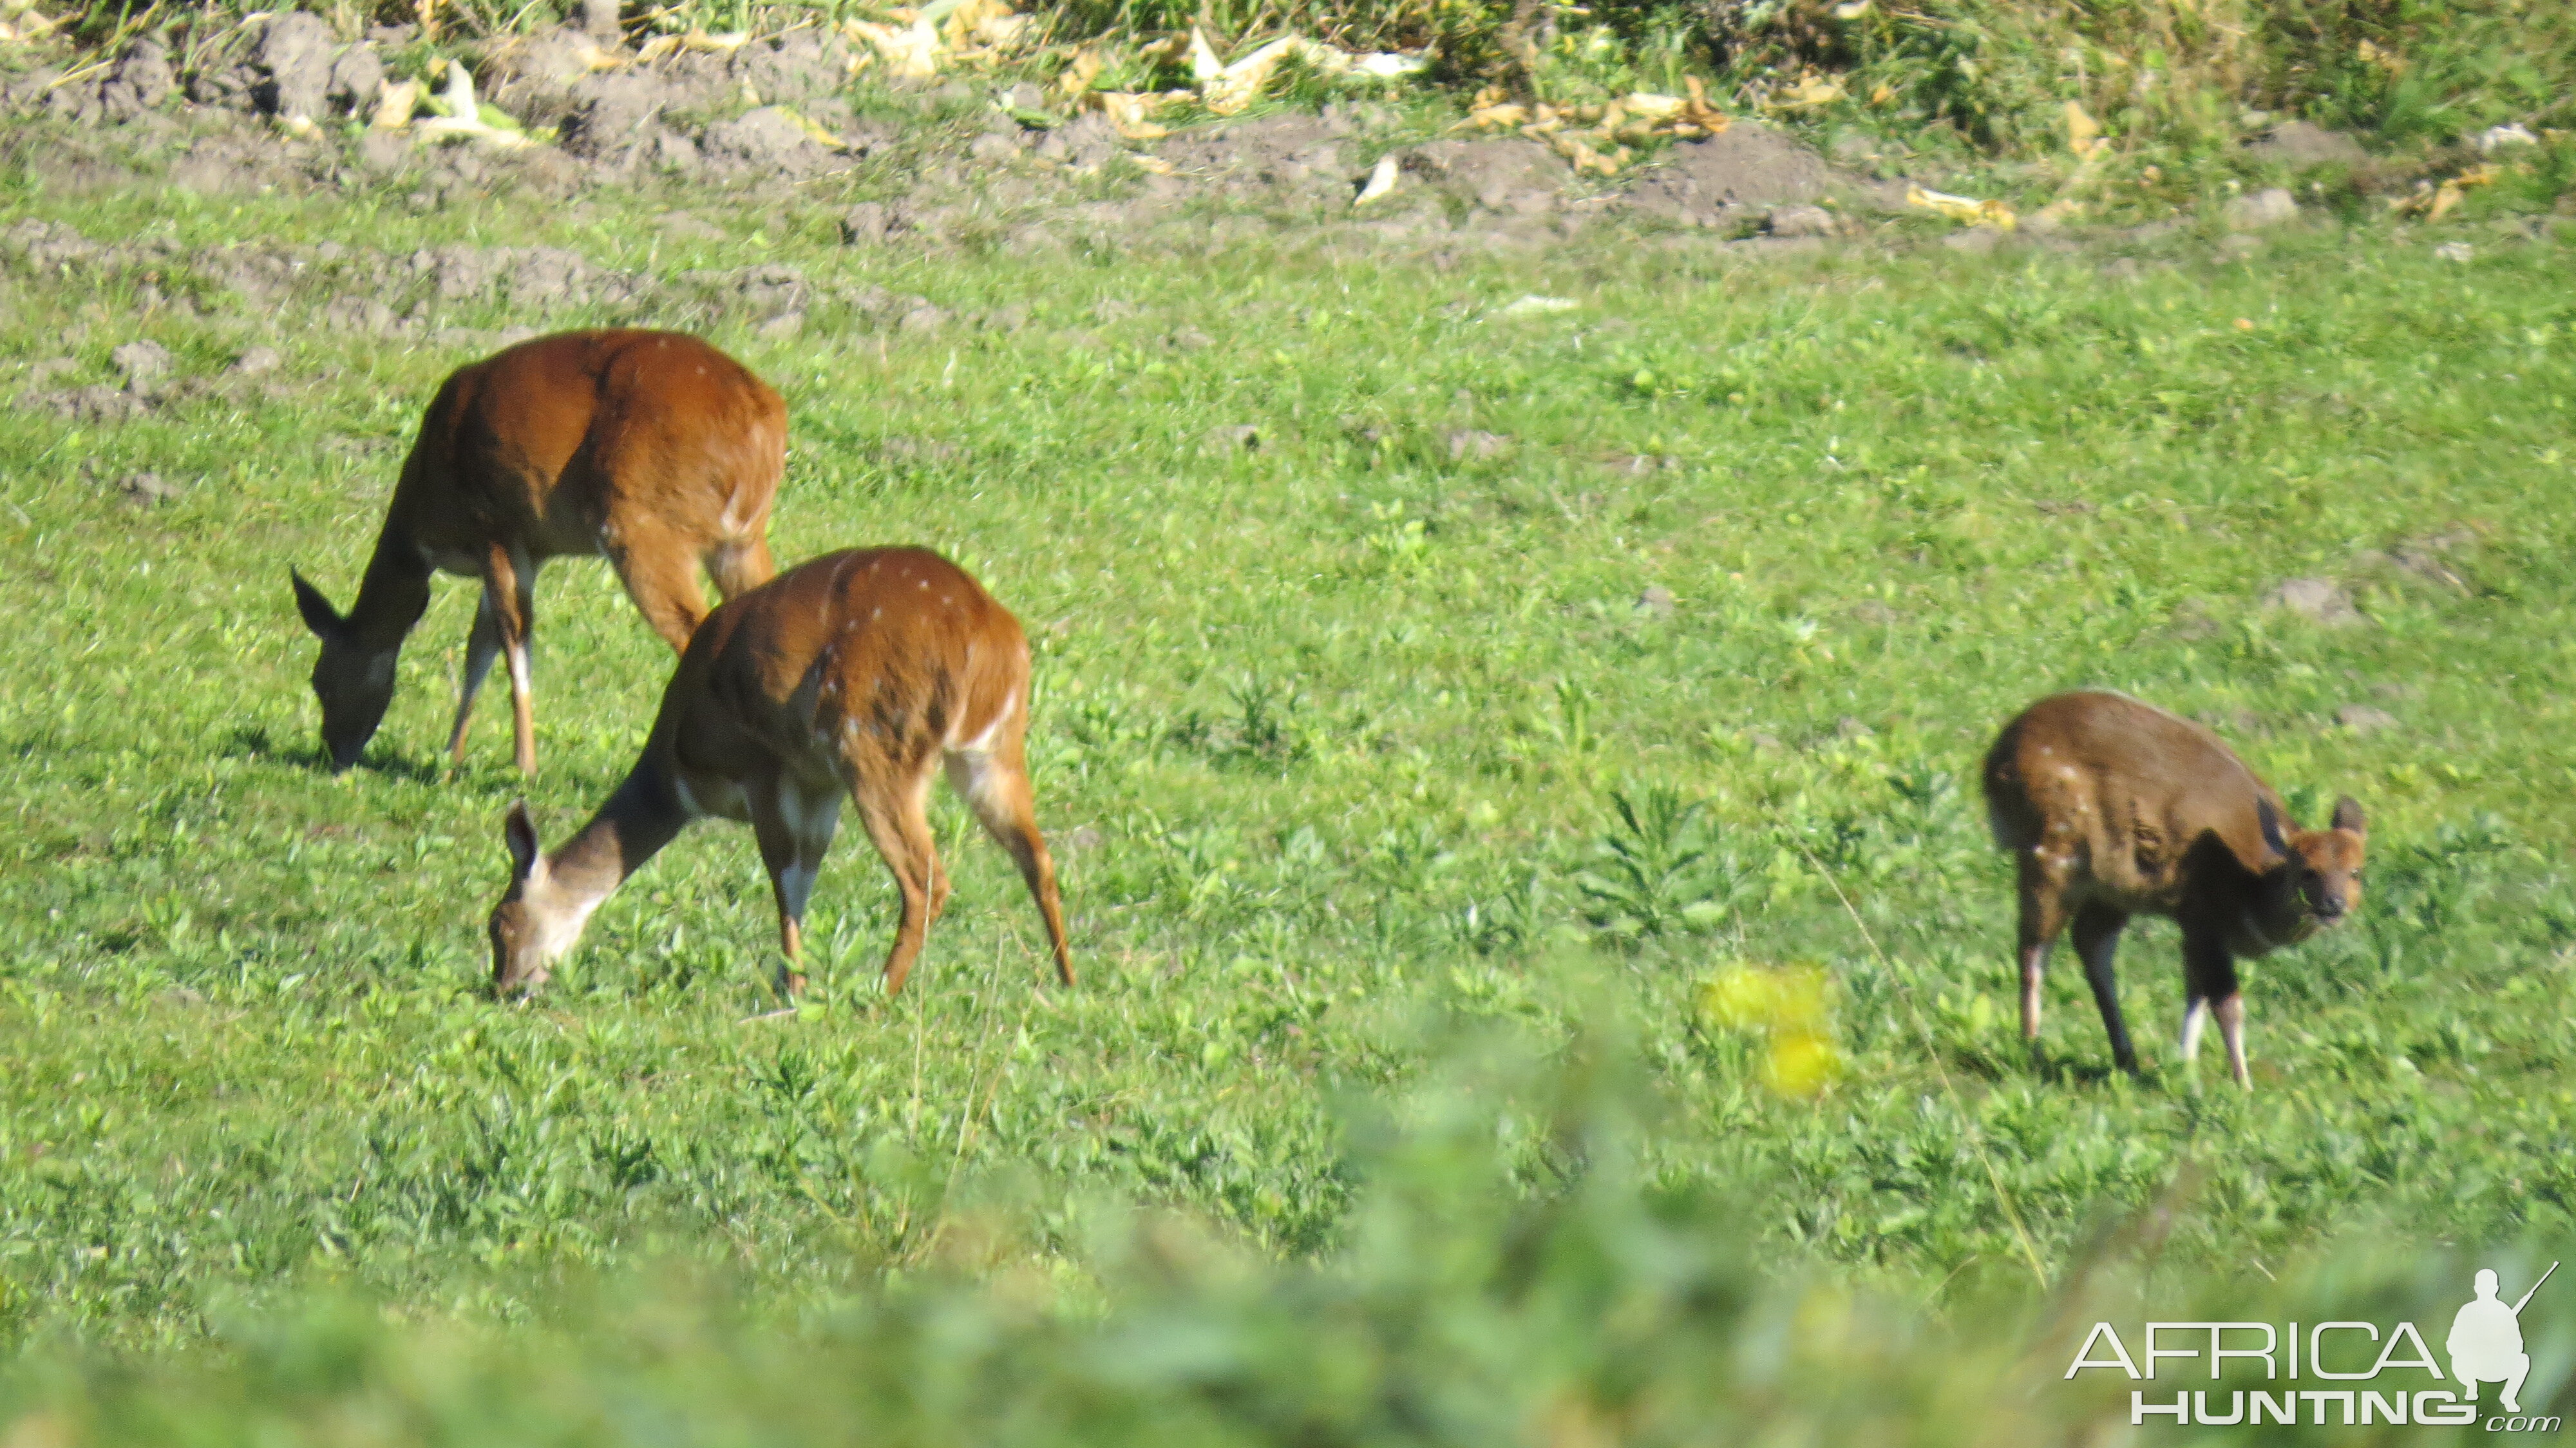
{"points": [[254, 742]]}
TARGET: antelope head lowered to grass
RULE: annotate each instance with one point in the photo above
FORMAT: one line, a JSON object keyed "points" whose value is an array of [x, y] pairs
{"points": [[2112, 808], [653, 448], [858, 674]]}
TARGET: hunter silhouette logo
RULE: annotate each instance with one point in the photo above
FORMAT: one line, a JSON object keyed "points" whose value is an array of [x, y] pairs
{"points": [[2362, 1372], [2486, 1341]]}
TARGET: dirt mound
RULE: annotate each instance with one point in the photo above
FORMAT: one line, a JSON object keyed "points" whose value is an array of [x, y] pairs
{"points": [[795, 69], [141, 78], [631, 114], [769, 141], [296, 50], [269, 109], [1732, 177], [1284, 154], [1508, 177]]}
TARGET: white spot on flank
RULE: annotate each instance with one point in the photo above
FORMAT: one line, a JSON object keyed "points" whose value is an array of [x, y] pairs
{"points": [[876, 613]]}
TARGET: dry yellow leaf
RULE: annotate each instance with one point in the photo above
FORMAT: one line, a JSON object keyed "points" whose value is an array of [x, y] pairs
{"points": [[1236, 86], [27, 26], [1204, 66], [2083, 133], [909, 51], [988, 24], [395, 101], [1079, 72], [1573, 148], [698, 40], [1963, 208], [464, 114], [1811, 91], [1381, 181], [1881, 94], [1127, 110], [815, 133], [2435, 202], [1498, 117], [1698, 112]]}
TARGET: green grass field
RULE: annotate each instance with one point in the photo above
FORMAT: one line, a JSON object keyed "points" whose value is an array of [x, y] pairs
{"points": [[1333, 736]]}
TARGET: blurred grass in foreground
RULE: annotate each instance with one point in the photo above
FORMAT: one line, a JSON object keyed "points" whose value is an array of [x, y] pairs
{"points": [[1467, 1307]]}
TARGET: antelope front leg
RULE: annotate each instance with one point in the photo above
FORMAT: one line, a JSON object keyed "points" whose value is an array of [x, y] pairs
{"points": [[509, 584], [482, 646], [794, 830], [2231, 1029], [2097, 938], [2209, 981], [2043, 916]]}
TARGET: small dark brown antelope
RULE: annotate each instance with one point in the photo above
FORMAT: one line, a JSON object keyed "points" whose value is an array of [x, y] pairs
{"points": [[2111, 808], [650, 447], [859, 673]]}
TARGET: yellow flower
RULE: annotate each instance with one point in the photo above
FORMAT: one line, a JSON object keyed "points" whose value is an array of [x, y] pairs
{"points": [[1800, 1063], [1788, 1007], [1749, 998]]}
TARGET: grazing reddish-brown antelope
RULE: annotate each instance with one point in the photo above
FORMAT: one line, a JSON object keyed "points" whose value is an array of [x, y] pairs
{"points": [[653, 448], [2112, 808], [860, 673]]}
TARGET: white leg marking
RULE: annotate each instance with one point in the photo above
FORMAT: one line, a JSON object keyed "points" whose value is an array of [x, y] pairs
{"points": [[2195, 1018], [972, 775], [517, 654], [983, 742]]}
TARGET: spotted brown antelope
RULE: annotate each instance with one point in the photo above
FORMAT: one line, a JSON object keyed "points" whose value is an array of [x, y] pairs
{"points": [[2112, 808], [650, 447], [858, 673]]}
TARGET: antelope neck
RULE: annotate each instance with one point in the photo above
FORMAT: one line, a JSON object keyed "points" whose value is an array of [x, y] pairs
{"points": [[394, 593], [637, 821]]}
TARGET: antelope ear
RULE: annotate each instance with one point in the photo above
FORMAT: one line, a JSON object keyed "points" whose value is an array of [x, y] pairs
{"points": [[2270, 819], [520, 833], [319, 615], [2347, 816]]}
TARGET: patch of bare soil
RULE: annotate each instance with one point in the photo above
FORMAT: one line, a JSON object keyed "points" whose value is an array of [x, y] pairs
{"points": [[1737, 176], [772, 120], [269, 289]]}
